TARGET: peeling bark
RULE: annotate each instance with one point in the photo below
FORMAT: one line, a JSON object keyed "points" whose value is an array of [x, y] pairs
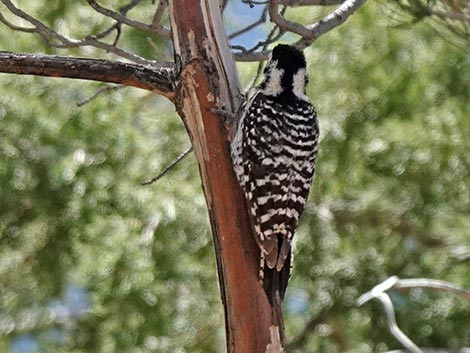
{"points": [[276, 345], [209, 80]]}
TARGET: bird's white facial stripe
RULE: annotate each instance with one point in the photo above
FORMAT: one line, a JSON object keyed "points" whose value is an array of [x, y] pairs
{"points": [[298, 84], [273, 84]]}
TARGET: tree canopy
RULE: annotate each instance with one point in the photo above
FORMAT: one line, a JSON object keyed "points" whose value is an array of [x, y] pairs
{"points": [[92, 261]]}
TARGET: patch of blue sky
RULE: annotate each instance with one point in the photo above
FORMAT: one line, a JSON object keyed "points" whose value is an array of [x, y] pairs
{"points": [[24, 344], [297, 302], [237, 16], [73, 304]]}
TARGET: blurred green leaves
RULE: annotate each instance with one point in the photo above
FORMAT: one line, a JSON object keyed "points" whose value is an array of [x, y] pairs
{"points": [[391, 195]]}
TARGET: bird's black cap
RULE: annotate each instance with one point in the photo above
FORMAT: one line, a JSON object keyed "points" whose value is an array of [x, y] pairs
{"points": [[288, 56]]}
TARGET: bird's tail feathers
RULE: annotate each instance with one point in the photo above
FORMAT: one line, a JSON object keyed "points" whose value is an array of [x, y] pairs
{"points": [[275, 281]]}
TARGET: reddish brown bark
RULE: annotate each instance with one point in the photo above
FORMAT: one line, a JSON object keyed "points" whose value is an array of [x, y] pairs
{"points": [[209, 80], [128, 74], [202, 45]]}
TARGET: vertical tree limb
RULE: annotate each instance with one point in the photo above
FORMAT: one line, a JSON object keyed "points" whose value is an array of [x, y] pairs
{"points": [[209, 80]]}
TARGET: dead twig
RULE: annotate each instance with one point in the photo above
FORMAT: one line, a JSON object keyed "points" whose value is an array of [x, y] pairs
{"points": [[56, 40], [100, 91], [156, 25], [168, 167], [251, 26]]}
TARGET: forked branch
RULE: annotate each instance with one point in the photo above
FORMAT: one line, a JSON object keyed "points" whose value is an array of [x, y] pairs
{"points": [[155, 27], [57, 40], [309, 33], [379, 292], [313, 31]]}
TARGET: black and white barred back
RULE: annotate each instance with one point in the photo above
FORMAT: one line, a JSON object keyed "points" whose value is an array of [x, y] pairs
{"points": [[274, 152]]}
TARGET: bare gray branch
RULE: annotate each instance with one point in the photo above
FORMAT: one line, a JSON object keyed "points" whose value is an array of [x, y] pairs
{"points": [[294, 3], [308, 33], [15, 27], [55, 39], [247, 56], [432, 284], [379, 292], [438, 350], [313, 31], [120, 18], [251, 26], [392, 324]]}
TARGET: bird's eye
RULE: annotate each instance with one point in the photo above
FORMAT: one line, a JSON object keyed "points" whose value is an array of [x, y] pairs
{"points": [[306, 79]]}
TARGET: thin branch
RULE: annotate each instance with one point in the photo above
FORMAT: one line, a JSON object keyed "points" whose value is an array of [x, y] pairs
{"points": [[15, 27], [117, 26], [396, 283], [255, 24], [420, 9], [169, 167], [432, 284], [293, 3], [437, 350], [313, 31], [251, 54], [121, 18], [455, 19], [272, 36], [57, 40], [113, 49], [380, 288], [247, 56], [379, 292], [308, 33], [160, 80], [253, 3], [97, 93], [392, 324], [157, 19]]}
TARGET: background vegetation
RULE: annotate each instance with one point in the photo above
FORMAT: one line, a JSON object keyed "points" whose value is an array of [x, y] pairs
{"points": [[91, 261]]}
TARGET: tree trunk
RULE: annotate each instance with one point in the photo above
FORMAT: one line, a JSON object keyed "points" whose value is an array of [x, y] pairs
{"points": [[209, 80]]}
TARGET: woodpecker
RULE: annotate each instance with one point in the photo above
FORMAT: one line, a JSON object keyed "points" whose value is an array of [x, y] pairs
{"points": [[274, 151]]}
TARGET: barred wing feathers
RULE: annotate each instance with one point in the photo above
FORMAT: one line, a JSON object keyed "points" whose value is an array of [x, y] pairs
{"points": [[274, 154]]}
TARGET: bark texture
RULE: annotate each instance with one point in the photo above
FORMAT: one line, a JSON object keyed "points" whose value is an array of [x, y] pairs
{"points": [[209, 81], [206, 80], [156, 79]]}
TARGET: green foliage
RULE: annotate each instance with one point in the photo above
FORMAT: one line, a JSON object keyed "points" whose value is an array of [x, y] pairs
{"points": [[391, 197]]}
